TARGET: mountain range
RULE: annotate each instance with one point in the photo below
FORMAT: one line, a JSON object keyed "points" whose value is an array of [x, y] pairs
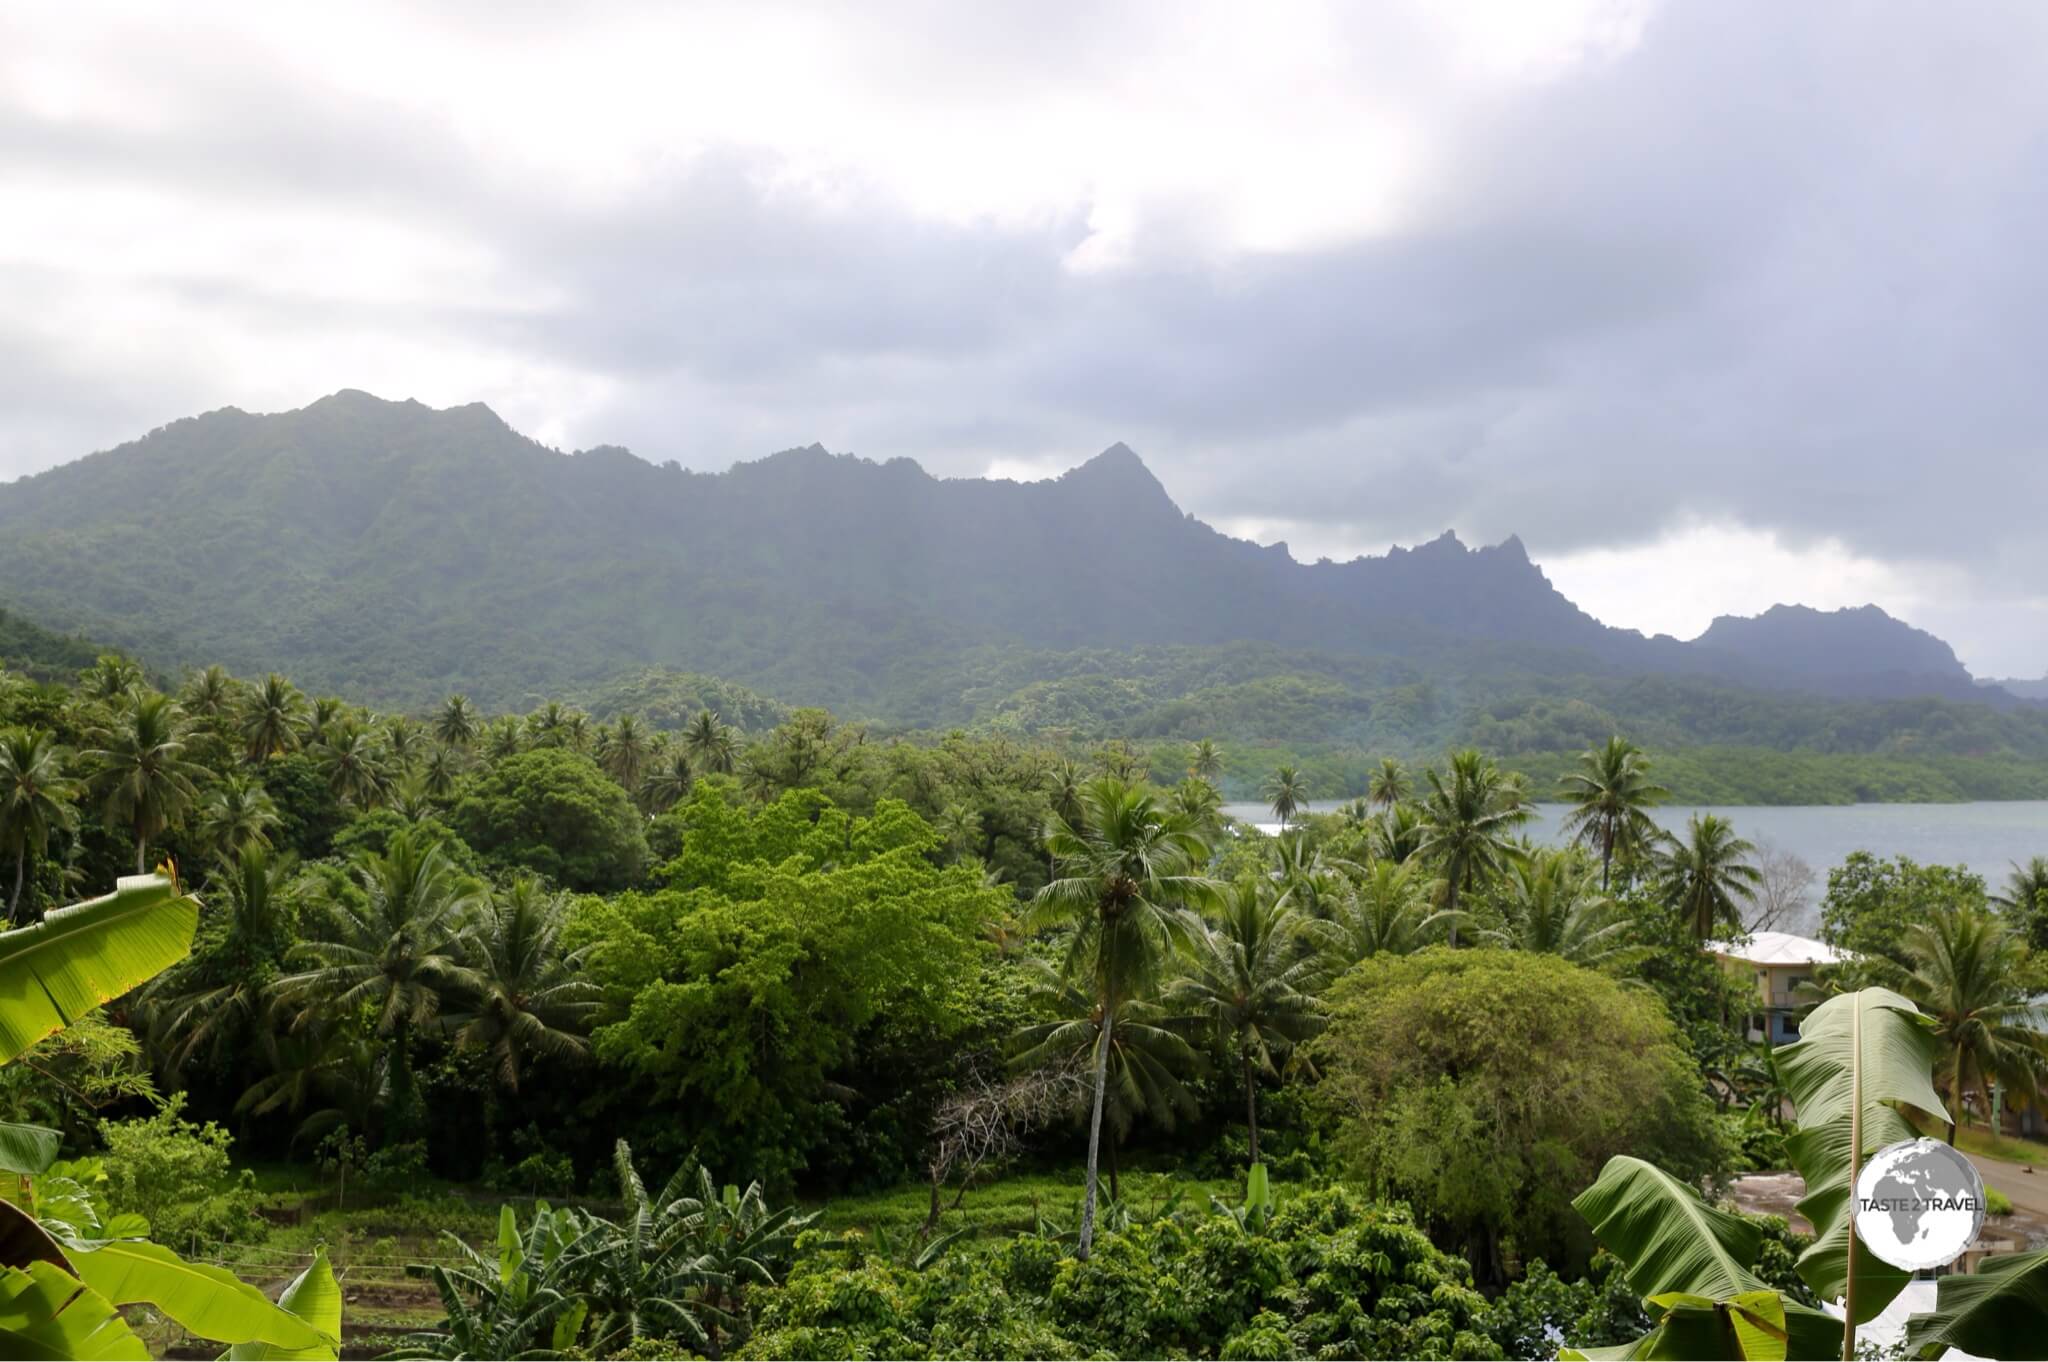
{"points": [[395, 553]]}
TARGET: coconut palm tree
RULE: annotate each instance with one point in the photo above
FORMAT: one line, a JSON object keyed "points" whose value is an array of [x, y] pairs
{"points": [[1200, 802], [209, 694], [1068, 780], [1398, 832], [1247, 978], [525, 996], [456, 724], [959, 829], [668, 781], [326, 714], [235, 814], [212, 999], [711, 744], [403, 742], [1385, 912], [354, 765], [2025, 900], [1549, 905], [1308, 878], [1207, 762], [111, 677], [1123, 873], [35, 797], [504, 737], [1389, 785], [440, 771], [1709, 875], [622, 750], [1287, 791], [1969, 974], [139, 769], [1468, 819], [273, 717], [398, 951], [1610, 795], [1146, 1063]]}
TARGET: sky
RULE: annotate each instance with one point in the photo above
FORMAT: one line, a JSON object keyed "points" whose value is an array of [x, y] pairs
{"points": [[1715, 305]]}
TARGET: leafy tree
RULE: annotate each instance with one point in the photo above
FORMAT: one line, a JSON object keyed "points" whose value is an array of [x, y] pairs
{"points": [[1969, 974], [1467, 819], [1124, 872], [273, 718], [1385, 912], [1248, 979], [215, 1000], [1709, 875], [1465, 1115], [2025, 901], [395, 950], [35, 797], [553, 811], [1548, 904], [139, 768], [1610, 795], [1872, 904], [527, 997], [1288, 792]]}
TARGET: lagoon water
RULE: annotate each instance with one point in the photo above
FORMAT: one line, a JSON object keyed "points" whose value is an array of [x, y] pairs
{"points": [[1988, 837]]}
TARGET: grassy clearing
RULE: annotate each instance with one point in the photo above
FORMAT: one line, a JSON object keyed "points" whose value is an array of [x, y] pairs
{"points": [[1012, 1205], [1976, 1140]]}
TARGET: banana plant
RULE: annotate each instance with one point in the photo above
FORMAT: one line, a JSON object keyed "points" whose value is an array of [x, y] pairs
{"points": [[2000, 1310], [1858, 1055], [63, 1280]]}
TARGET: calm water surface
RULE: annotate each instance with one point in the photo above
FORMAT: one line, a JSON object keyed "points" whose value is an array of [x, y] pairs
{"points": [[1987, 837]]}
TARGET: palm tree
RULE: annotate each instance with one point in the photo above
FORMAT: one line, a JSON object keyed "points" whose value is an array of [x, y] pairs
{"points": [[1609, 794], [668, 781], [111, 677], [209, 694], [1467, 819], [236, 814], [398, 950], [440, 771], [1145, 1066], [1249, 981], [327, 712], [1288, 792], [1549, 906], [456, 725], [272, 718], [1969, 974], [1309, 879], [402, 743], [214, 997], [35, 796], [1124, 870], [504, 737], [2025, 900], [1200, 802], [140, 770], [1207, 762], [1398, 833], [711, 745], [1068, 780], [1709, 876], [622, 751], [1389, 785], [959, 829], [353, 764], [1385, 913], [526, 996]]}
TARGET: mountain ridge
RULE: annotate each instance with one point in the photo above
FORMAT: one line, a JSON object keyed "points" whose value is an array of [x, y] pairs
{"points": [[395, 549]]}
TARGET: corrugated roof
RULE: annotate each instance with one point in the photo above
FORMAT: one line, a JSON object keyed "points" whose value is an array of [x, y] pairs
{"points": [[1779, 948]]}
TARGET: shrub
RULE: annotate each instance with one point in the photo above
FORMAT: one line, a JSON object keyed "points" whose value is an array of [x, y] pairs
{"points": [[177, 1174]]}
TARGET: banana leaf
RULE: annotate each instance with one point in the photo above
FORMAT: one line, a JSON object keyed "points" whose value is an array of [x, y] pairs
{"points": [[80, 957], [47, 1312], [27, 1151], [208, 1301], [1671, 1239], [2001, 1310], [1899, 1054], [315, 1297]]}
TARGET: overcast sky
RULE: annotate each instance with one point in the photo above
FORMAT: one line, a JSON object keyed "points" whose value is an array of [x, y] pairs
{"points": [[1716, 304]]}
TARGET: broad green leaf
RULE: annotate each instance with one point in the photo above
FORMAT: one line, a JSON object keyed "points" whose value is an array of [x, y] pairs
{"points": [[510, 1253], [23, 1240], [27, 1150], [47, 1312], [1258, 1189], [569, 1323], [1758, 1318], [314, 1297], [1899, 1051], [209, 1301], [1671, 1239], [1821, 1154], [80, 957], [2001, 1310]]}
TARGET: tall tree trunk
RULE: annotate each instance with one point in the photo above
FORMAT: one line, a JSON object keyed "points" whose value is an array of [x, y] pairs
{"points": [[1251, 1102], [1606, 856], [141, 854], [1451, 904], [1955, 1096], [14, 900], [1087, 1241]]}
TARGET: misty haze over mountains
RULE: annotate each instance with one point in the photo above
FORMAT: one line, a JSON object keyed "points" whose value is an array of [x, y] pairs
{"points": [[395, 552]]}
